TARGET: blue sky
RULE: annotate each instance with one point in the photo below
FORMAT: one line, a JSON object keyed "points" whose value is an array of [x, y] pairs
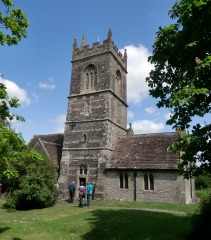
{"points": [[38, 69]]}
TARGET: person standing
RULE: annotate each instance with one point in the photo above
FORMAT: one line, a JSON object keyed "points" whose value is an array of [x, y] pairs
{"points": [[82, 195], [72, 191], [89, 192], [93, 193]]}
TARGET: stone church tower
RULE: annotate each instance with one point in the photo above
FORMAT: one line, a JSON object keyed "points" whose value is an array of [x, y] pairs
{"points": [[96, 115]]}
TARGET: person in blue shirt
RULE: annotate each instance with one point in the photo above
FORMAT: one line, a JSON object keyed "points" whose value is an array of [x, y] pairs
{"points": [[71, 188], [89, 192]]}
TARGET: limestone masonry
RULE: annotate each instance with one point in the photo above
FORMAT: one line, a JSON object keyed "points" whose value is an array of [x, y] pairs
{"points": [[98, 147]]}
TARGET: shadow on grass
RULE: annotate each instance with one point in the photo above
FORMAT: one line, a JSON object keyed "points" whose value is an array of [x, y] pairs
{"points": [[137, 225], [4, 229]]}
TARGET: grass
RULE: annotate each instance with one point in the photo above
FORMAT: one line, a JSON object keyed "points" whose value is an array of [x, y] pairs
{"points": [[171, 207], [103, 221], [203, 193]]}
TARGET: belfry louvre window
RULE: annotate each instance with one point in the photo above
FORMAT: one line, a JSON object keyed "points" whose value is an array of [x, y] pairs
{"points": [[123, 180], [148, 181], [90, 77], [118, 85]]}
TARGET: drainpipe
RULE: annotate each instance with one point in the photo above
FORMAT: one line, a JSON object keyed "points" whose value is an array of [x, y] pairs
{"points": [[191, 189], [134, 185]]}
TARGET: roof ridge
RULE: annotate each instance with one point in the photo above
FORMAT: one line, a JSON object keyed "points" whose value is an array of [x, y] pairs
{"points": [[48, 142], [147, 135], [153, 134]]}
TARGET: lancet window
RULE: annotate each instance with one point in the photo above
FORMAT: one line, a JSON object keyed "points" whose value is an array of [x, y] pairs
{"points": [[90, 77]]}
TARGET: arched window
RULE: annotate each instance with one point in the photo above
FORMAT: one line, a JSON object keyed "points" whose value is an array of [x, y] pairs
{"points": [[148, 181], [85, 138], [118, 85], [87, 80], [151, 181], [83, 170], [90, 77], [123, 178]]}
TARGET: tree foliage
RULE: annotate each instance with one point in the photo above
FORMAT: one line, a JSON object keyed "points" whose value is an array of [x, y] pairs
{"points": [[8, 103], [181, 78], [13, 23], [13, 27], [28, 177], [203, 182], [11, 149]]}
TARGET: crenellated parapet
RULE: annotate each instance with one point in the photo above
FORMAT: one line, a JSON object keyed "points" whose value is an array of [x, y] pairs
{"points": [[108, 45]]}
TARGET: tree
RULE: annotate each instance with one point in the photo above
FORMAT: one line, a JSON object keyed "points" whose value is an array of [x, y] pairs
{"points": [[11, 146], [13, 27], [13, 23], [28, 177], [181, 79]]}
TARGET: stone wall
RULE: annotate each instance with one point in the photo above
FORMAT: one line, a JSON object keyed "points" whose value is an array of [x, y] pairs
{"points": [[168, 187], [72, 160], [95, 153]]}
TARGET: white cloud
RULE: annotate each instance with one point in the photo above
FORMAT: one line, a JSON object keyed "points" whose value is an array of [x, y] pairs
{"points": [[59, 122], [138, 70], [47, 85], [150, 110], [16, 91], [147, 126]]}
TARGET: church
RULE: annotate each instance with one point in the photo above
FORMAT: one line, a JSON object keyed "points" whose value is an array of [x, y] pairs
{"points": [[97, 146]]}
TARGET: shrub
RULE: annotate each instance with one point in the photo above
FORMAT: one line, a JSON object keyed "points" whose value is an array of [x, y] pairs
{"points": [[28, 177], [36, 187], [203, 181], [203, 194]]}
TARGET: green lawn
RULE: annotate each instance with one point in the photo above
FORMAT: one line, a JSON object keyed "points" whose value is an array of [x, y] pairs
{"points": [[103, 220]]}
